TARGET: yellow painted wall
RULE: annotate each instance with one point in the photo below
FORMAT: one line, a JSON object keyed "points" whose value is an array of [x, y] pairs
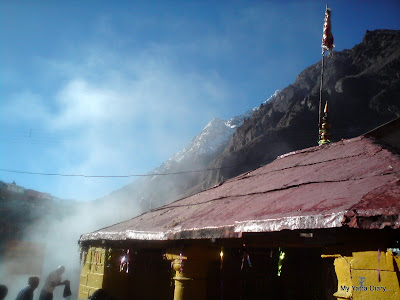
{"points": [[92, 273], [101, 269], [367, 275], [363, 275]]}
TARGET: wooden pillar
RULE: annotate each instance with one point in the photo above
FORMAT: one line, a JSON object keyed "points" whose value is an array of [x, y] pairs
{"points": [[191, 267]]}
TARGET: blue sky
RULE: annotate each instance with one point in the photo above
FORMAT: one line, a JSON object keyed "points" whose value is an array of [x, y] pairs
{"points": [[116, 88]]}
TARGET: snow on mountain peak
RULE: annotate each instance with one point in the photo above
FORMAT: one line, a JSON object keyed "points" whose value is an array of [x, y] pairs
{"points": [[214, 135], [273, 96], [237, 121]]}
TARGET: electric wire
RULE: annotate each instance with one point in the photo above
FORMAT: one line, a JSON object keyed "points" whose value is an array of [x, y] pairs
{"points": [[116, 176], [48, 140]]}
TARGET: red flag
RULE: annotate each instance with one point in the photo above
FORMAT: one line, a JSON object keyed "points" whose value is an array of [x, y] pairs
{"points": [[327, 37]]}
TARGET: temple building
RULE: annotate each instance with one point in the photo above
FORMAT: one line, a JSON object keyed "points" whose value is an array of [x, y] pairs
{"points": [[318, 223]]}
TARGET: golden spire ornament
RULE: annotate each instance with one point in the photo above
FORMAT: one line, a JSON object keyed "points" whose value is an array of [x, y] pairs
{"points": [[324, 132]]}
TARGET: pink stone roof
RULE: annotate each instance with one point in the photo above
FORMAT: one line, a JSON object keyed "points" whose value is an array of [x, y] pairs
{"points": [[353, 183]]}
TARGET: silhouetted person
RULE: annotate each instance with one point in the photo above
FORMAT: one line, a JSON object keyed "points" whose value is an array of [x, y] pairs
{"points": [[27, 293], [52, 281], [99, 295], [3, 291]]}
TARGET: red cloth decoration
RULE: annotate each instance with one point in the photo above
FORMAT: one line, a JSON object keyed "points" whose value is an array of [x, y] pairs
{"points": [[327, 37]]}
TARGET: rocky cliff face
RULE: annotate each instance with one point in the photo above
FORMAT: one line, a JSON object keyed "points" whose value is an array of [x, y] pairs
{"points": [[362, 86], [157, 189]]}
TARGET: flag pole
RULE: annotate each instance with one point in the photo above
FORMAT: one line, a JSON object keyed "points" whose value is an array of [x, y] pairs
{"points": [[327, 44], [320, 94]]}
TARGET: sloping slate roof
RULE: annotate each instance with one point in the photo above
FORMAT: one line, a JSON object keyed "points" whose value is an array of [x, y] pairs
{"points": [[351, 183]]}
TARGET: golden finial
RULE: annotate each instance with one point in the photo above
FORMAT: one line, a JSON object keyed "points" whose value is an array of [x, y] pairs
{"points": [[324, 135]]}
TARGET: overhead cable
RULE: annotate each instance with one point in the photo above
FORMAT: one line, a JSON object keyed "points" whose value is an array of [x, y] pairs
{"points": [[115, 176]]}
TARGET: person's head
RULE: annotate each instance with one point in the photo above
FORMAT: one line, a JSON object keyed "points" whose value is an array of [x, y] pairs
{"points": [[99, 294], [33, 282], [60, 270], [3, 291]]}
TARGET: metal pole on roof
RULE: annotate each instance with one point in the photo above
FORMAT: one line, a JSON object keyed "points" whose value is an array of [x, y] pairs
{"points": [[320, 95], [327, 44]]}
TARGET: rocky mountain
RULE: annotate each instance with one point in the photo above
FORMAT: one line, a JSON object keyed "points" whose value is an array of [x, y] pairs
{"points": [[362, 86], [22, 209], [157, 189], [210, 142]]}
